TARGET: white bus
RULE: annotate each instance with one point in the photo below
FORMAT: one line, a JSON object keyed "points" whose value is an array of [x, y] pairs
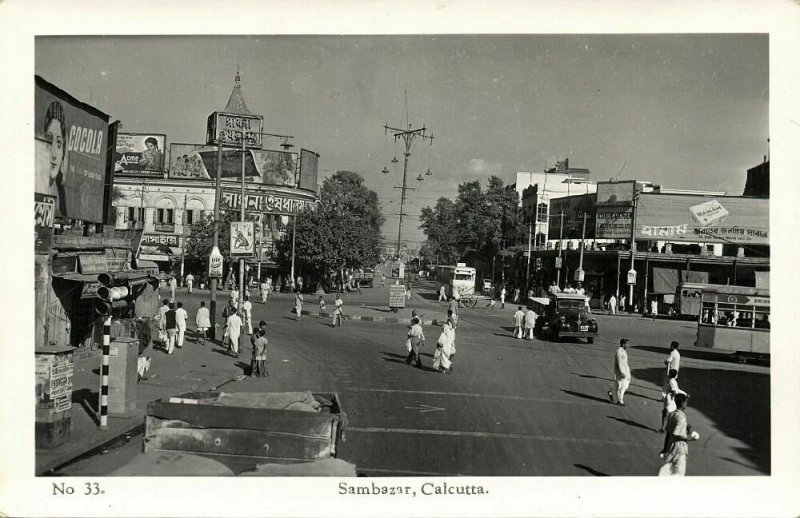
{"points": [[459, 277]]}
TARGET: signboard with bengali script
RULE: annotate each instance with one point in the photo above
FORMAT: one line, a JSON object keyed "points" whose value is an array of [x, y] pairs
{"points": [[614, 210]]}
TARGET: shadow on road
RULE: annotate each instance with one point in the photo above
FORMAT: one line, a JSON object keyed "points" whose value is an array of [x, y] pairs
{"points": [[88, 400], [593, 377], [591, 471], [634, 394], [737, 401], [586, 396], [632, 423], [694, 354]]}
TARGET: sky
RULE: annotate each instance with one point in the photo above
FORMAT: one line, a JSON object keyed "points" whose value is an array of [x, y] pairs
{"points": [[685, 111]]}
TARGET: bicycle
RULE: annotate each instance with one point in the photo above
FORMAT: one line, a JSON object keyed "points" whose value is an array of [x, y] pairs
{"points": [[464, 301]]}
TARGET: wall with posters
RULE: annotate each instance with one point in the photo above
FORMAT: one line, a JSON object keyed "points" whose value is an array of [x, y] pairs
{"points": [[261, 166], [702, 219], [71, 141], [614, 210], [140, 154]]}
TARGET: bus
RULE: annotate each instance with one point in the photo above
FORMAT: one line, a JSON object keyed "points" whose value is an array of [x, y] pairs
{"points": [[736, 319], [459, 277]]}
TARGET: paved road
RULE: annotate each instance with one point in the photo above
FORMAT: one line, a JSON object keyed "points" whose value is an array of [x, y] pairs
{"points": [[511, 407]]}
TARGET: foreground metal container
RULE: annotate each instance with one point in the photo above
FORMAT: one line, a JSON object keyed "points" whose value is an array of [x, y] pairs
{"points": [[243, 436]]}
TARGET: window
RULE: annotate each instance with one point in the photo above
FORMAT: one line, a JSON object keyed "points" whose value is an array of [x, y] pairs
{"points": [[165, 215], [193, 216], [135, 214]]}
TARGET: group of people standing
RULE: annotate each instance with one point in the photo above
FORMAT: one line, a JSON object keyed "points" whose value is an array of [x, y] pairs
{"points": [[445, 344], [674, 423]]}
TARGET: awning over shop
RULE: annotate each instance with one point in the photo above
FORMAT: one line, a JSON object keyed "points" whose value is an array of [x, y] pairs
{"points": [[665, 280]]}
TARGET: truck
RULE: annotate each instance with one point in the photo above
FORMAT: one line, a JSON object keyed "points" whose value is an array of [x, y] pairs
{"points": [[365, 278], [564, 314]]}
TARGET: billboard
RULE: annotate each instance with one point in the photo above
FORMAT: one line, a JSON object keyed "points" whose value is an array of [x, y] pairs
{"points": [[574, 208], [702, 219], [242, 239], [309, 164], [230, 128], [231, 199], [260, 166], [70, 146], [614, 210], [139, 154]]}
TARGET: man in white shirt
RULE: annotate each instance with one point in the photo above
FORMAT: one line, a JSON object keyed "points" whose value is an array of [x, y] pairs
{"points": [[337, 311], [234, 332], [676, 441], [203, 323], [622, 373], [189, 282], [264, 292], [503, 297], [235, 297], [612, 304], [173, 286], [519, 320], [673, 361], [530, 322], [180, 319]]}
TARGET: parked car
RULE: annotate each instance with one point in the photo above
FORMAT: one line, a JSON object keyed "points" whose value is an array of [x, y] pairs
{"points": [[564, 314]]}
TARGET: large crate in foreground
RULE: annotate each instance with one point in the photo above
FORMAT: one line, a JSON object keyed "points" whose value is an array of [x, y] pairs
{"points": [[240, 432]]}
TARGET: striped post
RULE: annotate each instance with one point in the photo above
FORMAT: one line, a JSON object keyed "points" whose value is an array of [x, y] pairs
{"points": [[104, 373]]}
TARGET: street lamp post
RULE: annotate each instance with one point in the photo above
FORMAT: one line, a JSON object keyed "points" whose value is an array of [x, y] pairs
{"points": [[579, 271], [560, 247], [632, 271]]}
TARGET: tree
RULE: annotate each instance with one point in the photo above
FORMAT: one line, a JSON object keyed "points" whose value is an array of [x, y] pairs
{"points": [[342, 231], [471, 228]]}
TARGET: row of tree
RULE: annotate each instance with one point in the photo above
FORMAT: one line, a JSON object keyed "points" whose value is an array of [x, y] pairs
{"points": [[343, 231], [470, 229]]}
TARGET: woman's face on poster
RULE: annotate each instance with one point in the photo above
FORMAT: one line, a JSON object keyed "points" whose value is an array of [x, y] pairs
{"points": [[55, 135]]}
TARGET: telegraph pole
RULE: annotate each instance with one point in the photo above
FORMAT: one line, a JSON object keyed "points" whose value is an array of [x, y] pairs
{"points": [[408, 136]]}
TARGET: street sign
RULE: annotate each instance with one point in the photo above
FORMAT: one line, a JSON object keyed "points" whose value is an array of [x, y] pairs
{"points": [[558, 263], [397, 296], [243, 243], [215, 264], [632, 276], [579, 274]]}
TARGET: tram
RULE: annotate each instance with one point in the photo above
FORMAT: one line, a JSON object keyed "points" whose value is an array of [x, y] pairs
{"points": [[736, 319]]}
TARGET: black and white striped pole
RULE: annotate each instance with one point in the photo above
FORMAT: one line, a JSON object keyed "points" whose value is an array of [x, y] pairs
{"points": [[104, 372], [109, 298]]}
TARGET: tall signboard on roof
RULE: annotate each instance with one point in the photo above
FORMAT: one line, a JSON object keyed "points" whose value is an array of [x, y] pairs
{"points": [[614, 210], [228, 129], [139, 154], [71, 151]]}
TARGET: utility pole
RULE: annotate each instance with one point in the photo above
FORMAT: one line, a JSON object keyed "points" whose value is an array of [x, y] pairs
{"points": [[560, 247], [632, 271], [241, 218], [579, 271], [407, 135], [215, 243], [528, 270], [183, 244]]}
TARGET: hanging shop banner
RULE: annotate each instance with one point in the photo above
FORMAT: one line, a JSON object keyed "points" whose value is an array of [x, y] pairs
{"points": [[139, 154], [161, 239], [70, 143], [230, 128], [260, 166], [702, 219], [231, 199], [309, 165], [614, 210], [44, 210], [242, 239], [574, 207]]}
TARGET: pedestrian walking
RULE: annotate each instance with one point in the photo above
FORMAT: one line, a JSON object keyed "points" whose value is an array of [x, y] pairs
{"points": [[622, 303], [322, 311], [442, 293], [383, 279], [298, 303], [227, 312], [247, 313], [235, 297], [417, 342], [453, 325], [180, 318], [622, 373], [654, 307], [408, 290], [445, 348], [676, 441], [338, 311], [264, 292], [258, 364], [452, 309], [171, 326], [234, 329], [612, 304], [673, 361], [519, 322], [173, 287], [516, 295], [162, 322], [203, 322], [668, 393], [503, 297], [189, 282], [530, 323]]}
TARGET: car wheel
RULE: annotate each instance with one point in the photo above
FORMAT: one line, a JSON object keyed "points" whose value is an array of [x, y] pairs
{"points": [[590, 339]]}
